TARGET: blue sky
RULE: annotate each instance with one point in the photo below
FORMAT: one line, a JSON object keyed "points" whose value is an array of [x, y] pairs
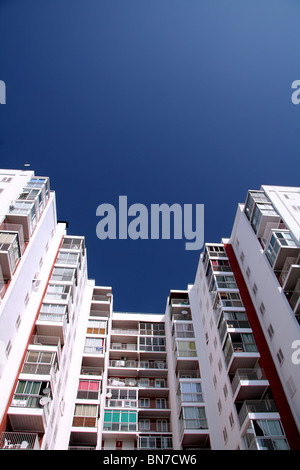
{"points": [[165, 101]]}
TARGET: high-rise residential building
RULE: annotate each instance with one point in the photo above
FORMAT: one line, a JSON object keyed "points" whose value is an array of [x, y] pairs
{"points": [[218, 369]]}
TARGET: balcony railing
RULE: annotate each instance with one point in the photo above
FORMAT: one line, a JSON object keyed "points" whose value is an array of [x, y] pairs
{"points": [[136, 364], [182, 316], [256, 406], [111, 403], [91, 371], [188, 374], [155, 442], [269, 443], [154, 426], [239, 348], [247, 374], [100, 298], [18, 440], [23, 400], [124, 331], [225, 324], [124, 346], [193, 424]]}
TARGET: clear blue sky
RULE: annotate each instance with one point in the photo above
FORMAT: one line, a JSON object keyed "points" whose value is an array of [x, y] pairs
{"points": [[185, 101]]}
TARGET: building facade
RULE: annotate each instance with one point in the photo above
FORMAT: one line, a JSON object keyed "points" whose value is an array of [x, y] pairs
{"points": [[214, 371]]}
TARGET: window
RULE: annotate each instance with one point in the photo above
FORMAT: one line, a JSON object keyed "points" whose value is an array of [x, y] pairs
{"points": [[150, 343], [215, 380], [254, 289], [219, 406], [144, 425], [63, 274], [160, 383], [248, 271], [226, 282], [291, 386], [88, 389], [225, 435], [161, 403], [230, 299], [278, 239], [186, 348], [85, 415], [53, 312], [194, 417], [67, 258], [151, 329], [191, 391], [231, 420], [28, 393], [119, 420], [184, 330], [96, 327], [270, 331], [94, 346], [18, 322], [161, 425], [145, 403], [262, 309], [280, 356], [8, 348], [59, 292]]}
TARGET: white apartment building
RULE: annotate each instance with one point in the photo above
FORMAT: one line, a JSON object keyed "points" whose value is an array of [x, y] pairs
{"points": [[214, 371]]}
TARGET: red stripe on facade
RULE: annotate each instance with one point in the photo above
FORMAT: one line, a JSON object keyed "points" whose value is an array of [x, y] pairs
{"points": [[266, 360], [3, 423]]}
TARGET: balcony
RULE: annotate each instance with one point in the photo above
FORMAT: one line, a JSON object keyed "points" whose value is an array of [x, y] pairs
{"points": [[257, 409], [53, 324], [240, 351], [260, 212], [29, 411], [180, 307], [23, 213], [18, 440], [294, 298], [185, 352], [71, 243], [89, 389], [264, 434], [12, 246], [249, 384], [122, 366], [280, 246], [231, 321], [193, 427], [290, 273]]}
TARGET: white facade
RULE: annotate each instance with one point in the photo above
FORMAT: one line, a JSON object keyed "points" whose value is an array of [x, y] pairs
{"points": [[76, 374], [273, 279]]}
